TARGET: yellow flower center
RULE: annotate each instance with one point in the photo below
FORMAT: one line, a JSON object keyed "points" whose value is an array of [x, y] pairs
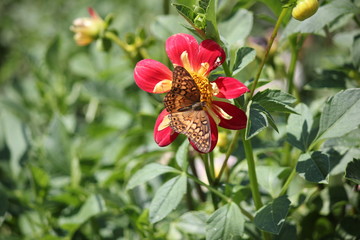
{"points": [[206, 91]]}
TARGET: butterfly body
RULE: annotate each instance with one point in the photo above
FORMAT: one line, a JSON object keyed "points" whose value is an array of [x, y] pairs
{"points": [[186, 111]]}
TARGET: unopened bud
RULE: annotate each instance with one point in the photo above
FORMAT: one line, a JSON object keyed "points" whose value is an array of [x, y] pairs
{"points": [[87, 29], [305, 9]]}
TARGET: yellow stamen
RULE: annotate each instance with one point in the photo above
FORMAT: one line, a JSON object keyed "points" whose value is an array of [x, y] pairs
{"points": [[162, 86], [204, 87]]}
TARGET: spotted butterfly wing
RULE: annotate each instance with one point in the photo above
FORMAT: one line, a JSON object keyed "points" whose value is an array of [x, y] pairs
{"points": [[186, 110]]}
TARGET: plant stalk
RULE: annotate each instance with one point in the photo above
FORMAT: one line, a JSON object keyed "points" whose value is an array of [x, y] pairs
{"points": [[271, 41]]}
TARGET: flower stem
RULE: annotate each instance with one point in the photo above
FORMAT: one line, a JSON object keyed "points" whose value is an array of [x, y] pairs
{"points": [[209, 174], [211, 189], [295, 43], [227, 156], [288, 181], [251, 170], [112, 36], [226, 68], [272, 38]]}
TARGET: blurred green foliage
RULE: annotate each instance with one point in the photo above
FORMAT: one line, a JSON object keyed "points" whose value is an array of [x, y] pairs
{"points": [[74, 127]]}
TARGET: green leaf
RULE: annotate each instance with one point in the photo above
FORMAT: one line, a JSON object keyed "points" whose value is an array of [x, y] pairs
{"points": [[226, 222], [269, 180], [314, 167], [324, 16], [329, 79], [186, 9], [356, 52], [167, 197], [193, 222], [341, 114], [182, 155], [352, 171], [211, 24], [15, 139], [258, 120], [299, 127], [40, 176], [235, 30], [52, 54], [94, 205], [4, 203], [244, 56], [275, 101], [147, 173], [271, 217]]}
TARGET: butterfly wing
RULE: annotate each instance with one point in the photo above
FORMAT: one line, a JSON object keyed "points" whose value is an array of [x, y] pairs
{"points": [[184, 91], [195, 125]]}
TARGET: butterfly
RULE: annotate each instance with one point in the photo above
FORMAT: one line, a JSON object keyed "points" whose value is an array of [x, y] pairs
{"points": [[186, 110]]}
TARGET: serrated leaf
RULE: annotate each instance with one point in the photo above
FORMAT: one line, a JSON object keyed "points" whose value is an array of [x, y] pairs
{"points": [[167, 197], [244, 56], [356, 52], [341, 114], [275, 101], [314, 167], [226, 222], [352, 171], [181, 156], [299, 127], [258, 120], [235, 30], [147, 173], [324, 16], [271, 217]]}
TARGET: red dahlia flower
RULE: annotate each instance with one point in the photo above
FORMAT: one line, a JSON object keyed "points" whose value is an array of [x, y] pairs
{"points": [[199, 60]]}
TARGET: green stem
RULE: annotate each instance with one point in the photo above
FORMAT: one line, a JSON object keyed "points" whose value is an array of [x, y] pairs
{"points": [[226, 68], [211, 189], [272, 38], [296, 44], [286, 154], [288, 181], [112, 36], [251, 170], [208, 171], [227, 156]]}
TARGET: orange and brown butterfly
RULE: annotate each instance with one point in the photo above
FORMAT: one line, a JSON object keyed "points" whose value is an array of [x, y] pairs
{"points": [[186, 111]]}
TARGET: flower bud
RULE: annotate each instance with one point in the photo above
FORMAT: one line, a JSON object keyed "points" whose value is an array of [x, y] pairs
{"points": [[305, 9], [87, 29]]}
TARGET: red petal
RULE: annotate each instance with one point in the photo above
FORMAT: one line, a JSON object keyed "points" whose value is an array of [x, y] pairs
{"points": [[230, 88], [167, 135], [177, 44], [214, 136], [148, 73], [238, 120], [209, 52]]}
